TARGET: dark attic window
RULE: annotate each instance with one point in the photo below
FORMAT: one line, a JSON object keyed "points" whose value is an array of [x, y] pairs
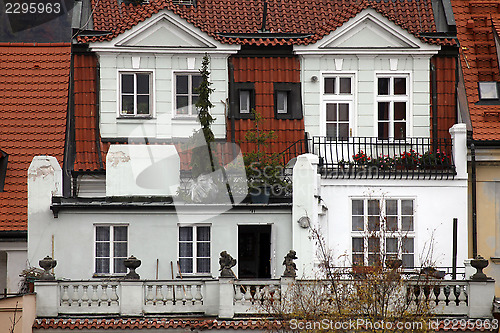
{"points": [[4, 157], [488, 92]]}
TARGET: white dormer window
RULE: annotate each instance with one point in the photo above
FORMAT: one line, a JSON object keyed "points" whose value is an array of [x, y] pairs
{"points": [[392, 106], [282, 102], [135, 94], [245, 103], [186, 94]]}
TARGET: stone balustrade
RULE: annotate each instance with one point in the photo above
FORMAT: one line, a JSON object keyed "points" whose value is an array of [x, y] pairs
{"points": [[229, 298]]}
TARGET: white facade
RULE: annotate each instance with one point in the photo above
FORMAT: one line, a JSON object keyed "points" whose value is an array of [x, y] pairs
{"points": [[162, 47]]}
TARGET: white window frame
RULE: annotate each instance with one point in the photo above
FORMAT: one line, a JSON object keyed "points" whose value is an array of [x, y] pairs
{"points": [[191, 107], [248, 101], [383, 234], [287, 101], [338, 98], [111, 248], [391, 99], [195, 256], [151, 94]]}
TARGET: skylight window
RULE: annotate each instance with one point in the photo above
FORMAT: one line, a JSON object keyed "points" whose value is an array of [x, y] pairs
{"points": [[3, 168], [488, 90]]}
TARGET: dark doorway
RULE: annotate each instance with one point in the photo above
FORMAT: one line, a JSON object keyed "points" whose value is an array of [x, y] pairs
{"points": [[254, 251]]}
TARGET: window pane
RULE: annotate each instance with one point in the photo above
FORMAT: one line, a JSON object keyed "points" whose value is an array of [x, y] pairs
{"points": [[373, 207], [186, 265], [181, 86], [343, 112], [244, 101], [203, 265], [102, 233], [399, 130], [345, 85], [143, 83], [329, 85], [407, 245], [185, 249], [120, 249], [383, 111], [102, 265], [391, 207], [142, 104], [407, 207], [282, 100], [102, 249], [331, 130], [373, 223], [400, 111], [203, 249], [488, 90], [373, 244], [399, 86], [195, 84], [391, 223], [182, 105], [358, 260], [357, 207], [358, 244], [357, 223], [128, 83], [407, 223], [203, 234], [373, 259], [194, 100], [127, 104], [186, 233], [343, 131], [331, 112], [383, 86], [119, 266], [383, 131], [408, 260], [120, 233], [391, 245]]}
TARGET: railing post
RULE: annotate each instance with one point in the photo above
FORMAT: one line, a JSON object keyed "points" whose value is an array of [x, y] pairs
{"points": [[286, 283], [47, 298], [131, 297], [459, 139], [226, 297], [481, 295]]}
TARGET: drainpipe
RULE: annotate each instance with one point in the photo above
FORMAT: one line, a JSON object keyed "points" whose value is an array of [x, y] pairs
{"points": [[474, 198], [434, 105]]}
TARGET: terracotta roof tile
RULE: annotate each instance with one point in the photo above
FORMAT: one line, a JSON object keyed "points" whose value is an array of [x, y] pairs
{"points": [[33, 102], [476, 21], [314, 17]]}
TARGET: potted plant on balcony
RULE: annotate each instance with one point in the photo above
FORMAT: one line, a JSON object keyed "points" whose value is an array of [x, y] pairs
{"points": [[263, 170], [408, 160], [437, 160]]}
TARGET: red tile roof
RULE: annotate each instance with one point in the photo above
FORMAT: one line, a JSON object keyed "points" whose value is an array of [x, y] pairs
{"points": [[475, 21], [153, 323], [33, 102], [317, 18]]}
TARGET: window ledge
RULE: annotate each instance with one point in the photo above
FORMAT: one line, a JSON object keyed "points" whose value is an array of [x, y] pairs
{"points": [[495, 260], [134, 118], [188, 118], [108, 276]]}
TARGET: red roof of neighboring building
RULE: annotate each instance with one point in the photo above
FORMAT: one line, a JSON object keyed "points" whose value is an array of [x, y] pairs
{"points": [[475, 22], [34, 82], [316, 18]]}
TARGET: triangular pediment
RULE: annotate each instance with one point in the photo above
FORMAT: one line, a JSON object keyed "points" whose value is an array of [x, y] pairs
{"points": [[165, 31], [369, 29]]}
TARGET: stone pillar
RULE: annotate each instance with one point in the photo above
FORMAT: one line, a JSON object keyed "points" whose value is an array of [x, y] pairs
{"points": [[305, 208], [459, 139], [131, 298], [226, 296], [481, 295], [47, 298]]}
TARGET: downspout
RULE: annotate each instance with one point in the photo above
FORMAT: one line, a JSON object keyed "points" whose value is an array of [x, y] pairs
{"points": [[474, 198], [69, 144], [97, 115], [434, 105], [231, 98]]}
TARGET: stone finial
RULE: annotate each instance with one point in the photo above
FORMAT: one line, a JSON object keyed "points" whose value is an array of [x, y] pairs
{"points": [[132, 263], [290, 267], [47, 264], [226, 262], [479, 263]]}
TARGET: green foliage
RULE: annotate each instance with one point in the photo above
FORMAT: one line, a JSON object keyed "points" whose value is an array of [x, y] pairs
{"points": [[203, 159]]}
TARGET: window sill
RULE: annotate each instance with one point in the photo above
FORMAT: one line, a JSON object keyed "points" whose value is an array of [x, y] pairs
{"points": [[185, 118], [134, 118], [108, 276], [195, 276]]}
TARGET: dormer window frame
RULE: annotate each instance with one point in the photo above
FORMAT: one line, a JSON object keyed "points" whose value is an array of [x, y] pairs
{"points": [[483, 86], [135, 94]]}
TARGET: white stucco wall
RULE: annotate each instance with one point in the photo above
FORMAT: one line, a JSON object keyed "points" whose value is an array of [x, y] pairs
{"points": [[13, 257]]}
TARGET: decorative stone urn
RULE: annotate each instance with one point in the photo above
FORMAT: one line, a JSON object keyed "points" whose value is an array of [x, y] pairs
{"points": [[479, 264], [47, 264], [132, 263]]}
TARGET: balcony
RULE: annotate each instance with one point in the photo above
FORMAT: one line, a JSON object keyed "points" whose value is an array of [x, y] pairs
{"points": [[230, 298]]}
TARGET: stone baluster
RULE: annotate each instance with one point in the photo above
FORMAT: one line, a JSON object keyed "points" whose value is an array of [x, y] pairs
{"points": [[150, 296], [179, 296], [85, 295], [462, 297], [248, 295], [65, 296], [75, 297], [452, 297], [114, 295], [169, 298], [441, 297], [184, 295], [238, 295], [158, 300], [198, 297], [191, 298], [104, 301], [258, 294], [94, 298]]}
